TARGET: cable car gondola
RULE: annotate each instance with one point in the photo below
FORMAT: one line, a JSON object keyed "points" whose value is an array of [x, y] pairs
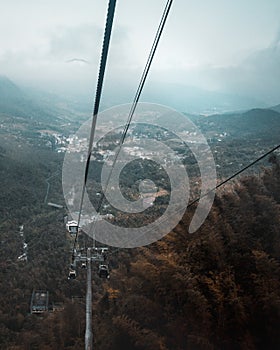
{"points": [[103, 271], [104, 253], [72, 274], [72, 227]]}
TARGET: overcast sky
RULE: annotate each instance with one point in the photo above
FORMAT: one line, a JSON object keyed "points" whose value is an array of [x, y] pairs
{"points": [[213, 44]]}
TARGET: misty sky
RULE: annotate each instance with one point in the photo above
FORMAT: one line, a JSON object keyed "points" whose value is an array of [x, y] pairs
{"points": [[228, 46]]}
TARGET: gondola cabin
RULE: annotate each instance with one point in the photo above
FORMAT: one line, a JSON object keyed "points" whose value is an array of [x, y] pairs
{"points": [[104, 253], [39, 302], [103, 271], [72, 227], [72, 274]]}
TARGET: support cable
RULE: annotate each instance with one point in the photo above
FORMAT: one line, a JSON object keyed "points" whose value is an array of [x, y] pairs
{"points": [[103, 61], [136, 99], [234, 175], [88, 332], [219, 185]]}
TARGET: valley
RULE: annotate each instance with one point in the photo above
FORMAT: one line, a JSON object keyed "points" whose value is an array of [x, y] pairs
{"points": [[224, 277]]}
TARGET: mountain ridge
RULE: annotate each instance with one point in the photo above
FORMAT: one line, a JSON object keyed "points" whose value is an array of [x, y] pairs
{"points": [[254, 122]]}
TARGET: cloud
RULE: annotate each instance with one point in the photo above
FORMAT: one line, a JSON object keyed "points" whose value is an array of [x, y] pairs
{"points": [[203, 44], [81, 41], [62, 57], [258, 75]]}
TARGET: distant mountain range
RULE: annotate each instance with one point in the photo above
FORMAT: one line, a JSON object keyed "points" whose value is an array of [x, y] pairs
{"points": [[276, 108], [14, 101], [34, 106], [253, 123], [181, 97], [50, 109], [196, 100]]}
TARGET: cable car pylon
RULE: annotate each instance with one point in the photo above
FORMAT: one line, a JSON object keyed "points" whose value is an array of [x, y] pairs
{"points": [[88, 332], [104, 54]]}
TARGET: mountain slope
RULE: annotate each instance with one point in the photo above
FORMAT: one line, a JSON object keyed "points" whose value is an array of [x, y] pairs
{"points": [[17, 103], [253, 123], [276, 108], [224, 277]]}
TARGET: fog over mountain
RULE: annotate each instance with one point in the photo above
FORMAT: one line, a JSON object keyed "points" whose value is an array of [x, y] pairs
{"points": [[217, 288], [213, 56]]}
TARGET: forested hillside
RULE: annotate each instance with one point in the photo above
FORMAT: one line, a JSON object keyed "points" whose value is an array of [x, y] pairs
{"points": [[215, 289]]}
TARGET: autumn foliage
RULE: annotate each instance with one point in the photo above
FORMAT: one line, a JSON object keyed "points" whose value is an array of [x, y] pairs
{"points": [[216, 289]]}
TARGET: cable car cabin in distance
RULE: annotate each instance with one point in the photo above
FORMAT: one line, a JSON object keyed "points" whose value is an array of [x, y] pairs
{"points": [[72, 274], [72, 227], [100, 254], [103, 271], [39, 301]]}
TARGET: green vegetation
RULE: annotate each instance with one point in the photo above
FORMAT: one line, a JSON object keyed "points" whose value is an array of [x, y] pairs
{"points": [[216, 289]]}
